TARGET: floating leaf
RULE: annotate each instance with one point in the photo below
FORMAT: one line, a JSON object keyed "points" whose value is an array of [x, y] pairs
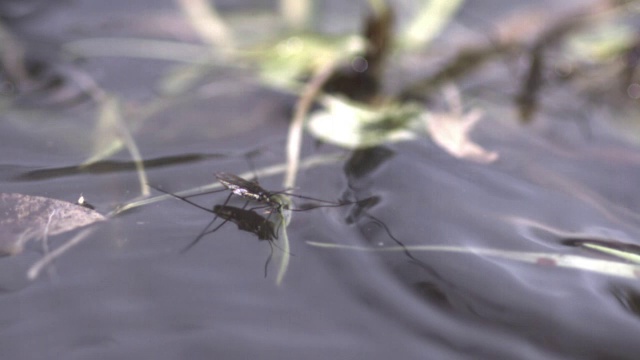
{"points": [[450, 130], [25, 217], [353, 125]]}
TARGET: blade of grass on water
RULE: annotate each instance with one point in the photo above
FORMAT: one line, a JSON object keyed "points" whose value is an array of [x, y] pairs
{"points": [[604, 267], [112, 131]]}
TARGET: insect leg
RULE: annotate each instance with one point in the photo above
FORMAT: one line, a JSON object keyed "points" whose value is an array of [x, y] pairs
{"points": [[206, 230], [205, 193], [182, 198]]}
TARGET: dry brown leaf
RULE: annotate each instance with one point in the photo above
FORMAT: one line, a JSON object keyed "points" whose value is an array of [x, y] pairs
{"points": [[450, 130], [26, 217]]}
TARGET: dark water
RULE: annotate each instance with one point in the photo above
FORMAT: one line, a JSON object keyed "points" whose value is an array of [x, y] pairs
{"points": [[127, 292]]}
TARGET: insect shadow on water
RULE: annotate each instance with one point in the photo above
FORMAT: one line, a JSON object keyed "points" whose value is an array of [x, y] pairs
{"points": [[248, 219], [251, 221], [361, 211]]}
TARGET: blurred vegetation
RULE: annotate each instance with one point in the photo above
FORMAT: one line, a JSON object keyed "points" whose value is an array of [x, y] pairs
{"points": [[599, 41], [424, 76]]}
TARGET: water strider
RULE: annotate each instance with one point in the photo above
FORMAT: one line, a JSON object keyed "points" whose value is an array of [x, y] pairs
{"points": [[274, 202], [251, 190]]}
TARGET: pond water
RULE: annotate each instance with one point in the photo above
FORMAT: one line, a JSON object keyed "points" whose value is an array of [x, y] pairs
{"points": [[128, 292]]}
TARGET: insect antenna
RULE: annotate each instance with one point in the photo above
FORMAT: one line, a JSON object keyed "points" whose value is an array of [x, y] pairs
{"points": [[400, 243], [205, 193], [183, 198]]}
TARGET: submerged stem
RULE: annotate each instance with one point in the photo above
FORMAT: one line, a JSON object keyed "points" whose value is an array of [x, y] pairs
{"points": [[284, 218]]}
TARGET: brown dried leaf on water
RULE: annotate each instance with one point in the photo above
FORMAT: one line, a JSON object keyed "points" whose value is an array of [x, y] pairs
{"points": [[26, 217], [450, 130]]}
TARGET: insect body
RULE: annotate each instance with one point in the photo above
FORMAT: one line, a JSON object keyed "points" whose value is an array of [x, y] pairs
{"points": [[249, 190]]}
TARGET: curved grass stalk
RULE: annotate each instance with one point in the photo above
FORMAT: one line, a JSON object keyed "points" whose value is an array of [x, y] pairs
{"points": [[110, 122], [605, 267], [294, 138]]}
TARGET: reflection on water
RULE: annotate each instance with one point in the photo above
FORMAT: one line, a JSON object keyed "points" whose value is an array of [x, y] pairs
{"points": [[629, 298]]}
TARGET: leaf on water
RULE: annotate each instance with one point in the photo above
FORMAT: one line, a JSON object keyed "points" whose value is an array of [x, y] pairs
{"points": [[26, 217], [354, 125], [450, 130]]}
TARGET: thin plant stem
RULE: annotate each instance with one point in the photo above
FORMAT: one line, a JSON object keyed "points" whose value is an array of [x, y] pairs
{"points": [[132, 147], [294, 138], [36, 268]]}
